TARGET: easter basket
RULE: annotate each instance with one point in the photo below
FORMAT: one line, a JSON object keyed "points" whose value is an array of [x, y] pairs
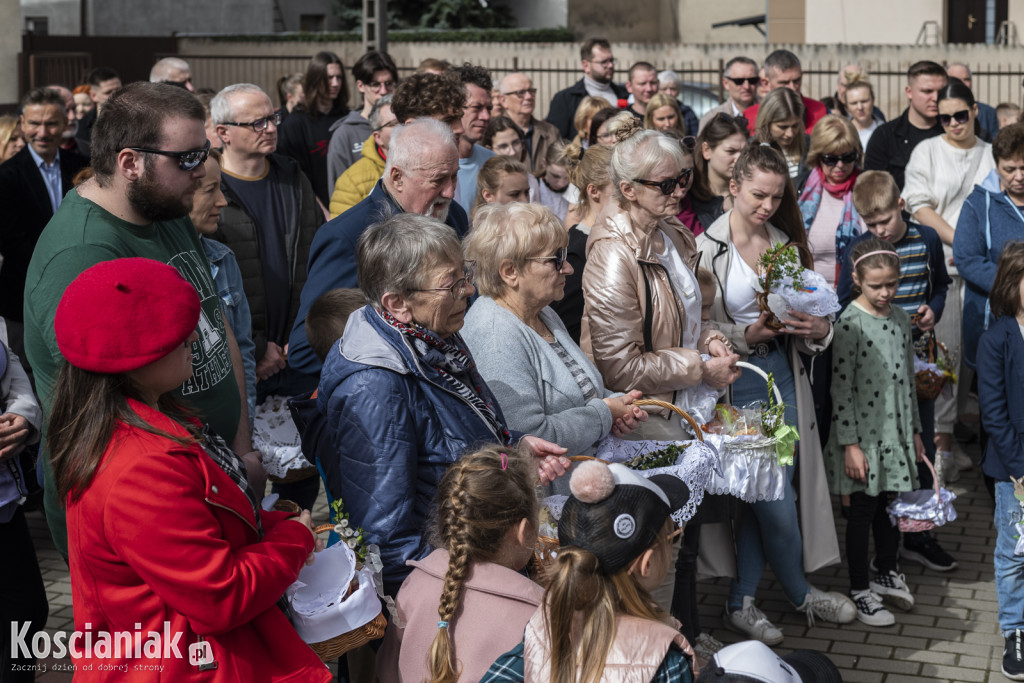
{"points": [[787, 286], [931, 360], [752, 467], [334, 605], [276, 437], [923, 509]]}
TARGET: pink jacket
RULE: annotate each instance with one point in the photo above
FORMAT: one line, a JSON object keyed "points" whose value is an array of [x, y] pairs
{"points": [[495, 607]]}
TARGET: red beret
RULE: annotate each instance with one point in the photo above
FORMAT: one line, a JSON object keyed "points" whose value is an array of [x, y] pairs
{"points": [[121, 315]]}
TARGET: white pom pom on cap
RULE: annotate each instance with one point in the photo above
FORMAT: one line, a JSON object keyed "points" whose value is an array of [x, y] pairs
{"points": [[591, 481]]}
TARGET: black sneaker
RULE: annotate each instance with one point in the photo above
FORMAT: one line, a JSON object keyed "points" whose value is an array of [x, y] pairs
{"points": [[924, 549], [1013, 657]]}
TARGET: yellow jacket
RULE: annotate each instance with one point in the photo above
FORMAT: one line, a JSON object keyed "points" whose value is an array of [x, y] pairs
{"points": [[358, 179]]}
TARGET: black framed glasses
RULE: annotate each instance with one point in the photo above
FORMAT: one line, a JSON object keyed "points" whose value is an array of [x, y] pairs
{"points": [[831, 160], [522, 93], [669, 185], [259, 125], [188, 160], [389, 124], [378, 85], [961, 117], [458, 288], [752, 81], [558, 259]]}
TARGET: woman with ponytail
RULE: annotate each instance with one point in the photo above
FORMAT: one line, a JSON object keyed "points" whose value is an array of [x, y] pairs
{"points": [[598, 615], [466, 602]]}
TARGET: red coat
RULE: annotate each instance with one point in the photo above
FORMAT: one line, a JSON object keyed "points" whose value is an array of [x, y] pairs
{"points": [[814, 111], [164, 534]]}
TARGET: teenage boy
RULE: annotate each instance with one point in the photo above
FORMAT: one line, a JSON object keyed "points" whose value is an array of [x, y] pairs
{"points": [[922, 294]]}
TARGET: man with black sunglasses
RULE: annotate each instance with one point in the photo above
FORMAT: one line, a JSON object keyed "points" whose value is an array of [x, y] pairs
{"points": [[739, 80], [269, 223], [148, 150], [891, 144]]}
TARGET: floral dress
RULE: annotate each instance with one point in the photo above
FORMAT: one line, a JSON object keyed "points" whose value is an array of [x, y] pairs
{"points": [[874, 401]]}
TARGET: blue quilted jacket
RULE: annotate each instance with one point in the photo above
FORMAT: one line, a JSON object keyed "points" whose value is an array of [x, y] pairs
{"points": [[393, 430]]}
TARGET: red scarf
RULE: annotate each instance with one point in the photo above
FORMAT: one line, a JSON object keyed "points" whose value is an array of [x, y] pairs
{"points": [[838, 190]]}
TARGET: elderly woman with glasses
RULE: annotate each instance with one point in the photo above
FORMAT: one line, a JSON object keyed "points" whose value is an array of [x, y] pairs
{"points": [[642, 305], [544, 382], [826, 202], [401, 393]]}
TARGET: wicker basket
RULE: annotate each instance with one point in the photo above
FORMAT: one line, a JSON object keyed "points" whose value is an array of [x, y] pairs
{"points": [[908, 525], [928, 382], [675, 409], [333, 648]]}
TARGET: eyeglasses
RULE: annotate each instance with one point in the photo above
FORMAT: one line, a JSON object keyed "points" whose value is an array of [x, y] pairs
{"points": [[604, 62], [259, 125], [457, 288], [377, 85], [187, 161], [962, 116], [558, 259], [668, 186], [752, 81], [522, 93], [392, 122], [831, 160]]}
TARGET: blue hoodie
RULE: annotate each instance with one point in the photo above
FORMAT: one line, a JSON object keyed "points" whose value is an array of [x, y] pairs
{"points": [[988, 221], [1000, 395], [393, 428]]}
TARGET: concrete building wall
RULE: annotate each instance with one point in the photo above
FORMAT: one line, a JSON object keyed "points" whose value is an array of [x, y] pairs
{"points": [[618, 20], [540, 13], [292, 11], [125, 18], [697, 16], [10, 46], [63, 15]]}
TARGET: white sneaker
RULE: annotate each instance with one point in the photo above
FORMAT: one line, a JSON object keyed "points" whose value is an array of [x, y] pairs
{"points": [[945, 467], [832, 607], [892, 588], [751, 622], [961, 459], [870, 610], [705, 648]]}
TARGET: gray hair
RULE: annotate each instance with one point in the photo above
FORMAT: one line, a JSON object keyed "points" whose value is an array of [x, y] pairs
{"points": [[221, 105], [396, 254], [374, 117], [410, 142], [781, 60], [669, 76], [738, 60], [161, 70], [637, 155]]}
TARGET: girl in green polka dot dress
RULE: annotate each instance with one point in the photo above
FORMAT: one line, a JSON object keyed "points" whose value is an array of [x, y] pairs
{"points": [[875, 439]]}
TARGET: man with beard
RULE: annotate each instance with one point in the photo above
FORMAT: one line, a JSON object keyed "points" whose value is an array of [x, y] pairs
{"points": [[598, 71], [148, 150], [419, 177]]}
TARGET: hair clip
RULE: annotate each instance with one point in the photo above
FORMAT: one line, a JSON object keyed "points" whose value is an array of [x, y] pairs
{"points": [[442, 624], [504, 461], [582, 151], [766, 144]]}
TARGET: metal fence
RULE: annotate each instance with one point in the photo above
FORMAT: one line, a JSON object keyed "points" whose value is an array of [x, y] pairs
{"points": [[993, 85]]}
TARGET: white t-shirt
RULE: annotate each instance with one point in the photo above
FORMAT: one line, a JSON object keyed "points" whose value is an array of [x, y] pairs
{"points": [[741, 287]]}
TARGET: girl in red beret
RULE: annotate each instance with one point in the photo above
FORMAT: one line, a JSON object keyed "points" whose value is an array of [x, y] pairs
{"points": [[175, 570]]}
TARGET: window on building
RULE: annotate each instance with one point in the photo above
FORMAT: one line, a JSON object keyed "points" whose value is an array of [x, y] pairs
{"points": [[312, 22], [39, 26]]}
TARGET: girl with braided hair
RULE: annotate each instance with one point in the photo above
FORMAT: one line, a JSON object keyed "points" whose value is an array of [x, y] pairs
{"points": [[486, 529]]}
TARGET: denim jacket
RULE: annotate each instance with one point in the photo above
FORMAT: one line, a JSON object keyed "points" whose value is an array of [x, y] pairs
{"points": [[233, 304]]}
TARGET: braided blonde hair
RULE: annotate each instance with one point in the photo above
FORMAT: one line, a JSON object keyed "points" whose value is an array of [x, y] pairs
{"points": [[481, 498]]}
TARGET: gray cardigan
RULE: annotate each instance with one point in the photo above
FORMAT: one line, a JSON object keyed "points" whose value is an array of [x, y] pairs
{"points": [[535, 390]]}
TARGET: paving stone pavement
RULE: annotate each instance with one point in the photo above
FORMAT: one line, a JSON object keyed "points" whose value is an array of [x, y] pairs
{"points": [[950, 635]]}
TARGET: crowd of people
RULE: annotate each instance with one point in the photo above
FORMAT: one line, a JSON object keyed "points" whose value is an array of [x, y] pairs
{"points": [[456, 295]]}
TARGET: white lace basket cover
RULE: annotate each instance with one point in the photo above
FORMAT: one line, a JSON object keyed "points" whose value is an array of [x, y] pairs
{"points": [[694, 468], [923, 505], [275, 436], [750, 468], [320, 610], [816, 297]]}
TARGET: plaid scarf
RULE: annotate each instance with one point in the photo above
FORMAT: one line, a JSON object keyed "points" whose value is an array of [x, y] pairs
{"points": [[228, 461], [810, 200], [451, 359]]}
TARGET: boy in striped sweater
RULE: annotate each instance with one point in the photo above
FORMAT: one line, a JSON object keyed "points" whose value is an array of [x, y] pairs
{"points": [[922, 294]]}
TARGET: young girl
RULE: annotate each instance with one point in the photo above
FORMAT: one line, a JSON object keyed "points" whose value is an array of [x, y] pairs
{"points": [[550, 188], [502, 179], [503, 137], [765, 213], [615, 533], [780, 118], [466, 602], [875, 438], [1000, 395], [719, 145], [162, 523]]}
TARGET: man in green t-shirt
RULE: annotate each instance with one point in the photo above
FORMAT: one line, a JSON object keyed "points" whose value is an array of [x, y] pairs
{"points": [[148, 150]]}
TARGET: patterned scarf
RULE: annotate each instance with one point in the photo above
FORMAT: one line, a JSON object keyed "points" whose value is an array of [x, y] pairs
{"points": [[810, 201], [451, 359], [228, 461]]}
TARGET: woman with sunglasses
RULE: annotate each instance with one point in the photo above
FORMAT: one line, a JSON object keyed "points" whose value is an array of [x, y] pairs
{"points": [[641, 317], [941, 173], [826, 203], [543, 381]]}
